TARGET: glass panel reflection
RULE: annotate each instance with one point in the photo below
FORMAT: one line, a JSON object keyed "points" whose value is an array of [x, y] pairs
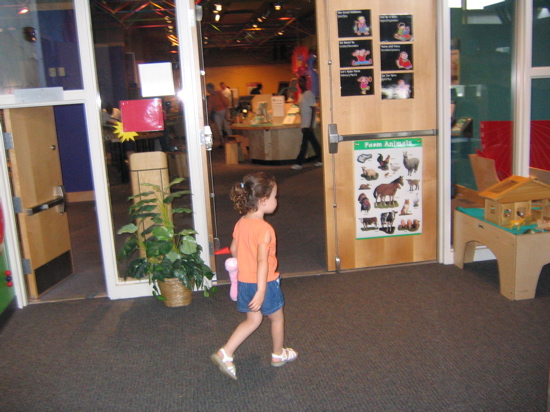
{"points": [[481, 90], [124, 48], [540, 127], [541, 34], [38, 45]]}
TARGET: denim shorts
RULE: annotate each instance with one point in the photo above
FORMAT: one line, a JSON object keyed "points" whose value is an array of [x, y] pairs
{"points": [[274, 299]]}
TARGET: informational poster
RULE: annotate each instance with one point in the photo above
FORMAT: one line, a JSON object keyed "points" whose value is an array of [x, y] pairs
{"points": [[388, 182], [278, 106], [353, 23], [355, 53], [396, 27], [397, 86], [356, 82], [396, 57]]}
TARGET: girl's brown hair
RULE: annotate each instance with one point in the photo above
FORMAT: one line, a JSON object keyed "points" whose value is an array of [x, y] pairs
{"points": [[246, 194]]}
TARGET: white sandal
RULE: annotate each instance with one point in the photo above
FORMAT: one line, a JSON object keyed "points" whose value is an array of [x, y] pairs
{"points": [[288, 355], [227, 370]]}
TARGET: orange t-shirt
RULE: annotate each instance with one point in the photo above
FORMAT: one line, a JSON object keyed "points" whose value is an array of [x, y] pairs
{"points": [[248, 234]]}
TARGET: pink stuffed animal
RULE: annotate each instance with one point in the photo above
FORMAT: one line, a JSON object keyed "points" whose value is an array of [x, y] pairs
{"points": [[232, 269]]}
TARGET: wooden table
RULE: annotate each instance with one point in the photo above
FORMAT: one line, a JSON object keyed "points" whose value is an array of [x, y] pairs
{"points": [[520, 258]]}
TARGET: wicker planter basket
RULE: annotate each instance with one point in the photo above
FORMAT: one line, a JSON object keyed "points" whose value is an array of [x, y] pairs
{"points": [[175, 292]]}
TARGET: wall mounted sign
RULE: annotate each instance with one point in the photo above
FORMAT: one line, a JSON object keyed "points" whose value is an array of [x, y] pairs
{"points": [[353, 23], [356, 82], [396, 27], [397, 86], [396, 57], [355, 53]]}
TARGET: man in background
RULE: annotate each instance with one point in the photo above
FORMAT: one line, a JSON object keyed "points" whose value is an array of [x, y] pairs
{"points": [[217, 108]]}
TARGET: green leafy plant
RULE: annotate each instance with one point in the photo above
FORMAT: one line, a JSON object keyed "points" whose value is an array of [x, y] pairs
{"points": [[162, 251]]}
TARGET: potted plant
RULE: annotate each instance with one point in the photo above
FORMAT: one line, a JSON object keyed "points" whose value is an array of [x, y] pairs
{"points": [[168, 257]]}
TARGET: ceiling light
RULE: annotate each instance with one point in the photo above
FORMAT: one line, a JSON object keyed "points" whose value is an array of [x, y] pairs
{"points": [[23, 10], [217, 18], [218, 7], [259, 19], [277, 6]]}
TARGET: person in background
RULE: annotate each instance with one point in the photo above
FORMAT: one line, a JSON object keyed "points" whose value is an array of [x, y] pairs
{"points": [[217, 108], [110, 115], [257, 89], [308, 108], [226, 91], [259, 291]]}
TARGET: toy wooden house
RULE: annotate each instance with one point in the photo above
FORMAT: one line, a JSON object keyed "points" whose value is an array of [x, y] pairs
{"points": [[512, 200]]}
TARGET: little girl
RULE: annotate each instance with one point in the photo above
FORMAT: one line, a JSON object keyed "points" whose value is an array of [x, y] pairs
{"points": [[259, 292]]}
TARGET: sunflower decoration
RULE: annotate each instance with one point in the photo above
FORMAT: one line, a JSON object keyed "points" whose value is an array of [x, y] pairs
{"points": [[122, 135]]}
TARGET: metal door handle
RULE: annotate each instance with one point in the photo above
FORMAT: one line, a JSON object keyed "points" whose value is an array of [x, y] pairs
{"points": [[58, 201]]}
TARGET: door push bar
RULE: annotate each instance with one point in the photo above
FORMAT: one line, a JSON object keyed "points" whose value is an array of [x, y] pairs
{"points": [[59, 201], [334, 138]]}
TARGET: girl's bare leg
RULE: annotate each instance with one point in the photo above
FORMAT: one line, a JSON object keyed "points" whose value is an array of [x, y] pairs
{"points": [[244, 330], [277, 331]]}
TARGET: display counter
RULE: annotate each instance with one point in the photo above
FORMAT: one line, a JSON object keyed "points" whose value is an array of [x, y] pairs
{"points": [[271, 144]]}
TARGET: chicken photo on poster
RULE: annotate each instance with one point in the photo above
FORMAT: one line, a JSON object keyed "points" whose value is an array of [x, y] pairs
{"points": [[396, 27], [388, 187], [397, 86], [353, 23], [355, 53], [396, 57], [356, 82]]}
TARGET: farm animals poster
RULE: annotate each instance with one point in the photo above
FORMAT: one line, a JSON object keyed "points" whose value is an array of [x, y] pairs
{"points": [[388, 187]]}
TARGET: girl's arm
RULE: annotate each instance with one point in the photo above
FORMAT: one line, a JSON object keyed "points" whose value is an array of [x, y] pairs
{"points": [[233, 248], [263, 254]]}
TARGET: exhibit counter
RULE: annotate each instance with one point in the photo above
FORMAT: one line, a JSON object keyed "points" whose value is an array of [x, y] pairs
{"points": [[272, 144]]}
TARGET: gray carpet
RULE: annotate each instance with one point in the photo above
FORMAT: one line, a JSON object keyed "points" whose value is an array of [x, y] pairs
{"points": [[417, 338]]}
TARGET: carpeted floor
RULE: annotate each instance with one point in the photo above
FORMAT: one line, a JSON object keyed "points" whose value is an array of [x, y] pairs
{"points": [[416, 338]]}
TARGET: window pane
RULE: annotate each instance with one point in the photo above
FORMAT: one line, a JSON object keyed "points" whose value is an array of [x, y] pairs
{"points": [[481, 89], [540, 125], [541, 35], [38, 48]]}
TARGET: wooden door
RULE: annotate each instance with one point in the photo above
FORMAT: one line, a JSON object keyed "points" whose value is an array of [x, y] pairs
{"points": [[37, 182], [381, 108]]}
